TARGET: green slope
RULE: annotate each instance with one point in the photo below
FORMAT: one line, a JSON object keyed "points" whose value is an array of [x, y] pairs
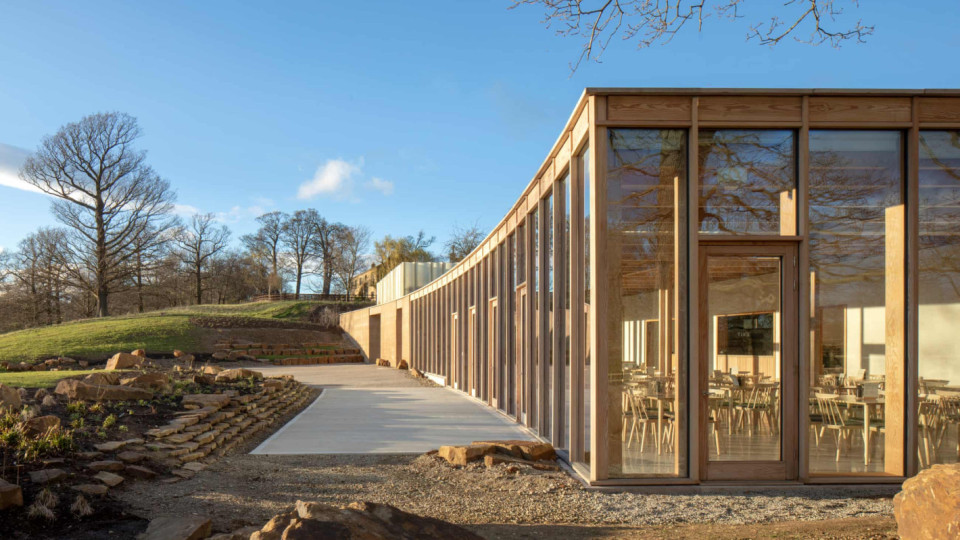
{"points": [[160, 330]]}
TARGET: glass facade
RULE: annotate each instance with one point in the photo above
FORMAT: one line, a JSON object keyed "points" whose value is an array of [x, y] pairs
{"points": [[856, 369], [686, 299], [646, 180], [938, 415]]}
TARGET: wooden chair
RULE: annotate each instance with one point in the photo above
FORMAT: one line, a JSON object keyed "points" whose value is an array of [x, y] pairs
{"points": [[835, 421]]}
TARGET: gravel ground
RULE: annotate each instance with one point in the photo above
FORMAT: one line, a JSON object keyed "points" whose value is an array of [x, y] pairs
{"points": [[243, 489]]}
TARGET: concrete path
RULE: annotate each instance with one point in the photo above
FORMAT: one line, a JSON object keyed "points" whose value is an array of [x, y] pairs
{"points": [[366, 409]]}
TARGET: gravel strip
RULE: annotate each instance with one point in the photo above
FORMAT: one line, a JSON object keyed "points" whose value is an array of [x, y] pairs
{"points": [[243, 489]]}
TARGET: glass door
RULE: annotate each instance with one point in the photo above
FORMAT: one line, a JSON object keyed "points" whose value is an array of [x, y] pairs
{"points": [[748, 369]]}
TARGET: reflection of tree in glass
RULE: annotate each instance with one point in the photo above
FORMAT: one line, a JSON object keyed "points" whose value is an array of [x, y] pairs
{"points": [[939, 216], [644, 166], [742, 174]]}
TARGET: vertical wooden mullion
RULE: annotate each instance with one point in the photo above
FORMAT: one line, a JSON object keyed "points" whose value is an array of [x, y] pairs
{"points": [[805, 355], [576, 274], [696, 439], [559, 303], [543, 318], [528, 322], [911, 357], [598, 286]]}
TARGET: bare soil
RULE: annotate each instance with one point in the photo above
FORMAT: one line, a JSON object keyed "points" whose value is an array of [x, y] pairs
{"points": [[242, 490], [282, 334]]}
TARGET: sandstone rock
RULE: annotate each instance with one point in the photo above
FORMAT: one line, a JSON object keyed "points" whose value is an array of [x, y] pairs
{"points": [[49, 401], [147, 380], [364, 520], [65, 360], [139, 352], [40, 394], [9, 398], [194, 466], [274, 528], [461, 455], [928, 506], [47, 476], [187, 359], [74, 389], [109, 478], [106, 465], [491, 460], [205, 400], [178, 528], [123, 361], [111, 446], [136, 471], [177, 353], [10, 495], [416, 373], [83, 363], [219, 356], [211, 370], [131, 457], [41, 425], [383, 362], [89, 455], [272, 385], [406, 525], [532, 450], [91, 489], [102, 378], [238, 373], [402, 364]]}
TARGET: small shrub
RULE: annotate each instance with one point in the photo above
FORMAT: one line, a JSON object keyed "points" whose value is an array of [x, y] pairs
{"points": [[39, 511], [109, 422], [97, 408], [77, 422], [28, 412], [80, 507], [123, 429], [77, 408], [48, 498]]}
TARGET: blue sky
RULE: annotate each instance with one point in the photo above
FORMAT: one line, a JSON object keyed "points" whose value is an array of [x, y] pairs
{"points": [[398, 115]]}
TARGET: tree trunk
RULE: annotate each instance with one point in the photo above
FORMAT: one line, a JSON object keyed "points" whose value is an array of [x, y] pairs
{"points": [[102, 309], [327, 278], [299, 276], [199, 286]]}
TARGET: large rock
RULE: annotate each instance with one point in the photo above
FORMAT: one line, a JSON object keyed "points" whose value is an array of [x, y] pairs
{"points": [[928, 506], [74, 389], [177, 528], [124, 361], [102, 378], [146, 380], [206, 400], [40, 425], [237, 374], [532, 450], [10, 495], [9, 398], [47, 476], [461, 455], [360, 520]]}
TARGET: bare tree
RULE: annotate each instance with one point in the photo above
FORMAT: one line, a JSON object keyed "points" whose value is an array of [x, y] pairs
{"points": [[352, 245], [199, 242], [326, 239], [105, 193], [390, 252], [462, 241], [265, 245], [649, 22], [149, 249], [300, 239]]}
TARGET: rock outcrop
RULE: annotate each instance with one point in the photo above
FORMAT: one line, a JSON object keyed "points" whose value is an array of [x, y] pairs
{"points": [[928, 506]]}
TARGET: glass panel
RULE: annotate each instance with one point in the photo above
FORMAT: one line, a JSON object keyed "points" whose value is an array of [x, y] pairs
{"points": [[645, 185], [744, 358], [939, 265], [856, 180], [747, 181]]}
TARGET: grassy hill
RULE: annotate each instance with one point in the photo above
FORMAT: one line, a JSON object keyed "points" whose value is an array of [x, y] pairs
{"points": [[179, 328]]}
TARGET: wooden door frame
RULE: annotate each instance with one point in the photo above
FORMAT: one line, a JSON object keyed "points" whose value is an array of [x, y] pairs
{"points": [[787, 469]]}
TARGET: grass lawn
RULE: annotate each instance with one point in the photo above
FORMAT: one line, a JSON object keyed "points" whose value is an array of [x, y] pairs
{"points": [[40, 379], [100, 337], [156, 331]]}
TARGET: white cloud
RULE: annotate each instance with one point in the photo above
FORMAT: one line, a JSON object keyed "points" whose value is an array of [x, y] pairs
{"points": [[381, 185], [11, 159], [337, 178], [334, 178], [185, 210]]}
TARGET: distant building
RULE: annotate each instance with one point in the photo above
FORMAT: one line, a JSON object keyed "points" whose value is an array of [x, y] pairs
{"points": [[365, 285], [408, 277]]}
